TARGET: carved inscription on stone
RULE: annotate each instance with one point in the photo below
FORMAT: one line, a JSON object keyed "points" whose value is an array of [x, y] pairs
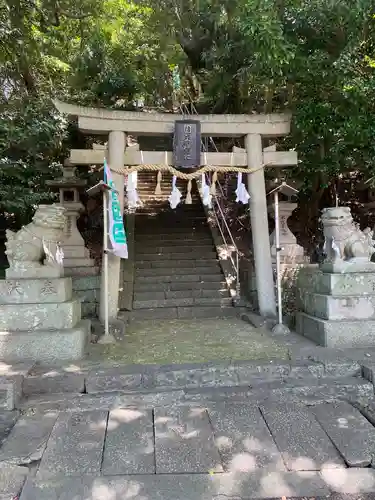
{"points": [[48, 288], [14, 288]]}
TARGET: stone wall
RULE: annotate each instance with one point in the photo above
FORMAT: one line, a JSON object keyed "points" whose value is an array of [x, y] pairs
{"points": [[87, 289]]}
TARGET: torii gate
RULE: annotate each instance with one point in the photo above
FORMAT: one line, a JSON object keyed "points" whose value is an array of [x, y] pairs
{"points": [[116, 124]]}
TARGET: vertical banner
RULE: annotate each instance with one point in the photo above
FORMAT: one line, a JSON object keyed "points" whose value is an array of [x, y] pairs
{"points": [[116, 228]]}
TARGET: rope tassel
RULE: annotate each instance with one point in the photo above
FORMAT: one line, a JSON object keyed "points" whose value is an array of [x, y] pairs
{"points": [[213, 183], [188, 200], [158, 183]]}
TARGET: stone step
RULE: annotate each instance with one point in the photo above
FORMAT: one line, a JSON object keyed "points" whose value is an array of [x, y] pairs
{"points": [[182, 302], [186, 312], [179, 264], [209, 378], [108, 390], [174, 247], [177, 294], [311, 391], [190, 244], [193, 278], [146, 216], [162, 271], [178, 256], [173, 232], [180, 286]]}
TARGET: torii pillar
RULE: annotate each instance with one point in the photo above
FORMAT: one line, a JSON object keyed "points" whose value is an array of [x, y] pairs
{"points": [[115, 154], [259, 226]]}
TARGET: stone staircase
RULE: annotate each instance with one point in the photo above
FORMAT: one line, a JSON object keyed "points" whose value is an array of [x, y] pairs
{"points": [[177, 272]]}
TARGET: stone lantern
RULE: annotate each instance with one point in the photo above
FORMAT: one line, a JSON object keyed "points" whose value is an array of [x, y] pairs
{"points": [[291, 252], [77, 261]]}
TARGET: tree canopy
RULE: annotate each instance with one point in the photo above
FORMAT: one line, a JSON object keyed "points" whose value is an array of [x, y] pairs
{"points": [[315, 58]]}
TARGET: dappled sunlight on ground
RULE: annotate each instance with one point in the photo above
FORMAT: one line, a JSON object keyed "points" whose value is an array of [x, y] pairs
{"points": [[195, 340]]}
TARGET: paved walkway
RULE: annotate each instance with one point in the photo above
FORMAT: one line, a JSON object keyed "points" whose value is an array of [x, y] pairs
{"points": [[235, 451], [297, 428]]}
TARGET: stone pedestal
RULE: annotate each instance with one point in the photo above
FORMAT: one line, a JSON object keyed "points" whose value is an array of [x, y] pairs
{"points": [[40, 321], [338, 309]]}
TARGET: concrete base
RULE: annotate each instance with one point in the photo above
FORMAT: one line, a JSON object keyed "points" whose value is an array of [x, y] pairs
{"points": [[35, 271], [44, 345], [358, 307], [35, 291], [32, 317], [344, 333], [357, 265]]}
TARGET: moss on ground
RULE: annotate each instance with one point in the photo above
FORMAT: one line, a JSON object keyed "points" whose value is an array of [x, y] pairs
{"points": [[190, 341]]}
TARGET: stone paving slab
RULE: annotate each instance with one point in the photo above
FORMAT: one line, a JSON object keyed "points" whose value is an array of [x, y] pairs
{"points": [[303, 443], [197, 377], [129, 443], [349, 430], [12, 479], [336, 362], [43, 380], [184, 441], [113, 380], [179, 487], [243, 439], [350, 481], [28, 439], [7, 422], [10, 391], [107, 401], [75, 446]]}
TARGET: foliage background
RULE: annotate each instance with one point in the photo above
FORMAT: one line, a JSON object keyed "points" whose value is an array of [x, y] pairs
{"points": [[312, 57]]}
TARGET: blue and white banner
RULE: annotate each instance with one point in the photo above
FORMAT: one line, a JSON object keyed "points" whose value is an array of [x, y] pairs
{"points": [[116, 230]]}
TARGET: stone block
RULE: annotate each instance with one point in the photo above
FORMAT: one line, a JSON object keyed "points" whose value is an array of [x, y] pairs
{"points": [[12, 479], [31, 317], [349, 430], [345, 284], [231, 486], [340, 308], [85, 296], [196, 377], [10, 391], [353, 481], [112, 380], [78, 262], [75, 445], [267, 371], [302, 442], [35, 291], [27, 441], [347, 333], [44, 380], [8, 420], [236, 426], [336, 362], [89, 309], [45, 345], [86, 282], [184, 442], [81, 271], [135, 428]]}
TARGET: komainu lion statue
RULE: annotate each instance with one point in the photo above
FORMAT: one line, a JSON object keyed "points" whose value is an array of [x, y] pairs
{"points": [[347, 248], [34, 251]]}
